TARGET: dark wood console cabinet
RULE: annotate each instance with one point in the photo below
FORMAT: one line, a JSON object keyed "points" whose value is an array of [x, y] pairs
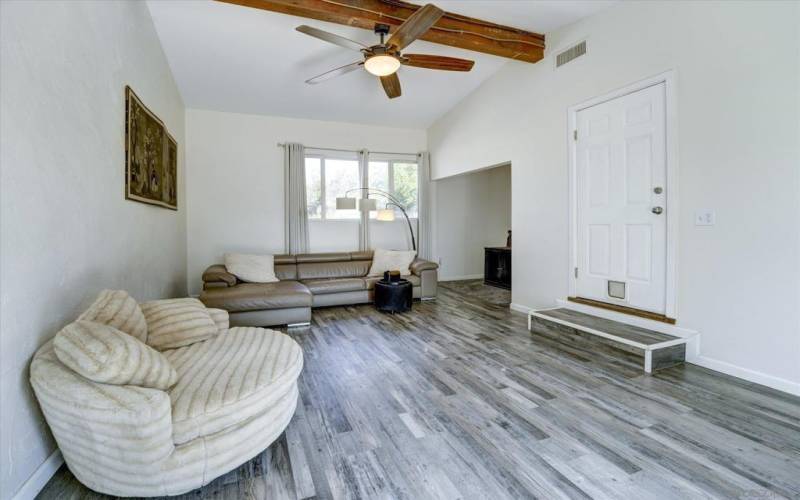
{"points": [[497, 266]]}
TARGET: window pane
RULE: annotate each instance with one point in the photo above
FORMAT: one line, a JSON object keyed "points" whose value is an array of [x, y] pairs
{"points": [[379, 179], [340, 175], [405, 186], [313, 188]]}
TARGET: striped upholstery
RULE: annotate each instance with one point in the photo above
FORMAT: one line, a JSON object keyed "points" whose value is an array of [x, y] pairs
{"points": [[104, 354], [220, 318], [230, 378], [120, 440], [118, 309], [175, 323]]}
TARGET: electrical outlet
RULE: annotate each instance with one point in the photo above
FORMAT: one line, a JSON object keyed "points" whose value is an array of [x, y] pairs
{"points": [[704, 217]]}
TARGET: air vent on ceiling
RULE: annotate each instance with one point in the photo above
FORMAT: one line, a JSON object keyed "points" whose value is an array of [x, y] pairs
{"points": [[571, 53]]}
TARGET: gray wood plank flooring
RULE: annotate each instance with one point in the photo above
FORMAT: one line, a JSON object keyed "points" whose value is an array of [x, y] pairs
{"points": [[458, 400]]}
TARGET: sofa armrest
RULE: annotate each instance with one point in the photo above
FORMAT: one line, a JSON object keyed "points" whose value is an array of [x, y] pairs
{"points": [[420, 265], [218, 275], [220, 317], [121, 428]]}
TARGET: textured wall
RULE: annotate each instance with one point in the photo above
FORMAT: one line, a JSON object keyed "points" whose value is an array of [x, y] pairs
{"points": [[67, 230], [236, 186], [737, 79], [472, 211]]}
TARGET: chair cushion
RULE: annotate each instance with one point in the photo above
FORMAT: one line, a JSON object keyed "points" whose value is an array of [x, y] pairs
{"points": [[258, 296], [118, 309], [104, 354], [334, 285], [175, 323], [229, 379]]}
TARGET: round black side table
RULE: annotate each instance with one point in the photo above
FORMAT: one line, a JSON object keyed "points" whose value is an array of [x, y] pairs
{"points": [[393, 297]]}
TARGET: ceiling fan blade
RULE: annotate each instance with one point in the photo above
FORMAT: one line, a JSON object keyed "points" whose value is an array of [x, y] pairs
{"points": [[391, 84], [335, 72], [331, 38], [437, 62], [415, 26]]}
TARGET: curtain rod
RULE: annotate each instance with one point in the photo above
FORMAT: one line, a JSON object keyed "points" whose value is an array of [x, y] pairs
{"points": [[282, 144]]}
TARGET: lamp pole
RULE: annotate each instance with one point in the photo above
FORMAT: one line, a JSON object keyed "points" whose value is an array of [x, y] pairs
{"points": [[391, 201]]}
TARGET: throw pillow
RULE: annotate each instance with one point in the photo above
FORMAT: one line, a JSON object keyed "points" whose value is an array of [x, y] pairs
{"points": [[104, 354], [251, 268], [391, 260], [175, 323], [118, 309]]}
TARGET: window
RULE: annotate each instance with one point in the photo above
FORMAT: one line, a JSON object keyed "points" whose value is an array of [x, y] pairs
{"points": [[398, 178], [331, 177], [326, 180]]}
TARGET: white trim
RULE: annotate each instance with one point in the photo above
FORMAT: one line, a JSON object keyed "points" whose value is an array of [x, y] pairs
{"points": [[40, 477], [460, 278], [648, 361], [754, 376], [669, 79]]}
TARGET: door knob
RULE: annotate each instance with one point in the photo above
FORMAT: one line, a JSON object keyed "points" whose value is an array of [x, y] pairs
{"points": [[657, 210]]}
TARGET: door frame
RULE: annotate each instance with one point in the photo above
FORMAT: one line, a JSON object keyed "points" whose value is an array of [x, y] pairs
{"points": [[668, 78]]}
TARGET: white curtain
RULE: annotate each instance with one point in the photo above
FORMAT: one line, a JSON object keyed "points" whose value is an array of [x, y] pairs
{"points": [[296, 214], [424, 233], [363, 174]]}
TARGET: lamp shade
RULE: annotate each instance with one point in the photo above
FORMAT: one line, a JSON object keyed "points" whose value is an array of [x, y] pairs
{"points": [[386, 214], [345, 203], [367, 204]]}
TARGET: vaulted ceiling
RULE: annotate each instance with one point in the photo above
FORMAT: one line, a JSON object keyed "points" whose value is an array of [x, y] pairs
{"points": [[230, 58]]}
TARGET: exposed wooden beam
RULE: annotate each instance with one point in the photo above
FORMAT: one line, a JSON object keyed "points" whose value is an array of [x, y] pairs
{"points": [[452, 29]]}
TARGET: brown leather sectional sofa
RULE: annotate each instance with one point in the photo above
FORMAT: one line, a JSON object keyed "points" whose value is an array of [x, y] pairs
{"points": [[306, 281]]}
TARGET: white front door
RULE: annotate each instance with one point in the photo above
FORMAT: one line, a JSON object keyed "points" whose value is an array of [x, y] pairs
{"points": [[621, 200]]}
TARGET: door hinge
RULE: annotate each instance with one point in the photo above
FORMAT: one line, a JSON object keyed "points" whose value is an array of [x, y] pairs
{"points": [[576, 272], [575, 134]]}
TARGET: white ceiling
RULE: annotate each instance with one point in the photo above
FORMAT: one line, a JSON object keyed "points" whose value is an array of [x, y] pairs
{"points": [[230, 58]]}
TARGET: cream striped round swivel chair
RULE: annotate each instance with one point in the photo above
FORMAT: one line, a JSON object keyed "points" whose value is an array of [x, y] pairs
{"points": [[171, 403]]}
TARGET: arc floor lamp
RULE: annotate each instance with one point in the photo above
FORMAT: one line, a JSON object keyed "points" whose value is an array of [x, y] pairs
{"points": [[371, 205]]}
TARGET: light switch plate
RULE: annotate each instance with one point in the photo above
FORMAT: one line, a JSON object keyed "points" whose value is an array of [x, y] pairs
{"points": [[704, 217]]}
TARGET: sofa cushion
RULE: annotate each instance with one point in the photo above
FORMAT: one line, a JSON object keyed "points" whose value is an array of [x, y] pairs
{"points": [[338, 269], [322, 257], [229, 379], [104, 354], [251, 268], [258, 296], [391, 260], [369, 281], [118, 309], [175, 323], [334, 285]]}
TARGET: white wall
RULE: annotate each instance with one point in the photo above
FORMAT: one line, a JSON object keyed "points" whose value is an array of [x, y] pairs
{"points": [[67, 231], [472, 211], [235, 192], [738, 80]]}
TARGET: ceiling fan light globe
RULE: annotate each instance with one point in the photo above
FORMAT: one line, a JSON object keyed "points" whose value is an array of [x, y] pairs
{"points": [[382, 65]]}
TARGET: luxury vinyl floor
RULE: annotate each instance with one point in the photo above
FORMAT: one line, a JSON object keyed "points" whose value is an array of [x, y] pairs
{"points": [[458, 400]]}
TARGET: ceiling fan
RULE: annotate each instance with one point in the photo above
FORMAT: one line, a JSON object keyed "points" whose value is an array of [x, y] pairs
{"points": [[384, 59]]}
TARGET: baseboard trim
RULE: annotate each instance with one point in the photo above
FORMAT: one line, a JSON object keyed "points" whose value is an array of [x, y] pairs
{"points": [[40, 477], [520, 308], [459, 278], [754, 376]]}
